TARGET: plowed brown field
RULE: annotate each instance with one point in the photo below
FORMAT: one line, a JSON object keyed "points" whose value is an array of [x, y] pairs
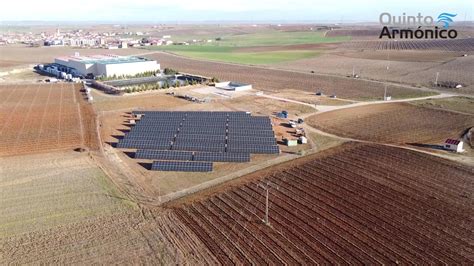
{"points": [[44, 117], [359, 204], [398, 123], [279, 80]]}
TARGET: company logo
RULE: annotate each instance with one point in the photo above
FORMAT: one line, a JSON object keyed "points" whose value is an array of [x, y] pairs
{"points": [[446, 18], [416, 27]]}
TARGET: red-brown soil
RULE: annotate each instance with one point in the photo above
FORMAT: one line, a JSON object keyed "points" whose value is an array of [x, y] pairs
{"points": [[278, 80], [44, 117], [397, 123], [357, 204]]}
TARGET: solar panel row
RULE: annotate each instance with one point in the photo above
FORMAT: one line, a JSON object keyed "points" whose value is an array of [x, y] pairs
{"points": [[202, 126], [245, 138], [203, 131], [198, 137], [143, 144], [210, 143], [192, 156], [221, 157], [151, 133], [210, 134], [153, 129], [151, 138], [181, 166], [260, 149], [251, 142], [252, 134], [164, 155], [249, 128], [194, 147], [192, 113]]}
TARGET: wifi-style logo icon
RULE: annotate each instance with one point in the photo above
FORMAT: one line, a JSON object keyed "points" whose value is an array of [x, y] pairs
{"points": [[446, 19]]}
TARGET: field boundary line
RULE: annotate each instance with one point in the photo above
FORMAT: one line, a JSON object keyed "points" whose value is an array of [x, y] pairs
{"points": [[217, 181], [267, 67], [78, 106]]}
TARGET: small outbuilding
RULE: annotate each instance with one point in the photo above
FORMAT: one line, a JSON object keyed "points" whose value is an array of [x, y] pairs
{"points": [[454, 145], [303, 140], [233, 86], [290, 142]]}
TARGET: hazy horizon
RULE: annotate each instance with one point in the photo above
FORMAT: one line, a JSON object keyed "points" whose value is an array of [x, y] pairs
{"points": [[248, 11]]}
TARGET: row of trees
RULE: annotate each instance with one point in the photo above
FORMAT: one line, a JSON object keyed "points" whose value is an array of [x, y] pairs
{"points": [[158, 86], [138, 75], [170, 71]]}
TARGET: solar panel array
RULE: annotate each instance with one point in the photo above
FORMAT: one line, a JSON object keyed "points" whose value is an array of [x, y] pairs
{"points": [[181, 166], [181, 141]]}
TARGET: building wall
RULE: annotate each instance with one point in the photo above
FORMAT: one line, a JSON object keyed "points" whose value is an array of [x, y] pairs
{"points": [[243, 88], [99, 69], [82, 68], [227, 85], [127, 68]]}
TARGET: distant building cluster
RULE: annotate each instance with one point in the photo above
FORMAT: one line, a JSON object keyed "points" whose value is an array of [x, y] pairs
{"points": [[88, 39]]}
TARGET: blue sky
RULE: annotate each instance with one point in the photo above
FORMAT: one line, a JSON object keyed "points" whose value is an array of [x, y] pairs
{"points": [[212, 10]]}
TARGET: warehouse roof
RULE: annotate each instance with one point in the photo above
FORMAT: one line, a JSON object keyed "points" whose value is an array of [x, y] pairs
{"points": [[104, 59]]}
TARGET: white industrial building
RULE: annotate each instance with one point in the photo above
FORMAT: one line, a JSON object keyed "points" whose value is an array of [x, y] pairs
{"points": [[233, 86], [107, 65]]}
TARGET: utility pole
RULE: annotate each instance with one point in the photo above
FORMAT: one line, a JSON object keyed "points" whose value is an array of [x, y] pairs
{"points": [[436, 81], [266, 187]]}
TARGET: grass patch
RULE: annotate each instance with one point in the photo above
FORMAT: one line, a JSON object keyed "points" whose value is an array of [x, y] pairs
{"points": [[278, 38], [255, 58], [322, 142], [457, 104], [226, 50], [55, 190], [111, 190]]}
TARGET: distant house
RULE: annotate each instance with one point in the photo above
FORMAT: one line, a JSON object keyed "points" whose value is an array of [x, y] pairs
{"points": [[454, 145]]}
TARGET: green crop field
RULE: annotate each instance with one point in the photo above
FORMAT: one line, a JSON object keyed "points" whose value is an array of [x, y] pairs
{"points": [[54, 190], [227, 49], [252, 58], [278, 38]]}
